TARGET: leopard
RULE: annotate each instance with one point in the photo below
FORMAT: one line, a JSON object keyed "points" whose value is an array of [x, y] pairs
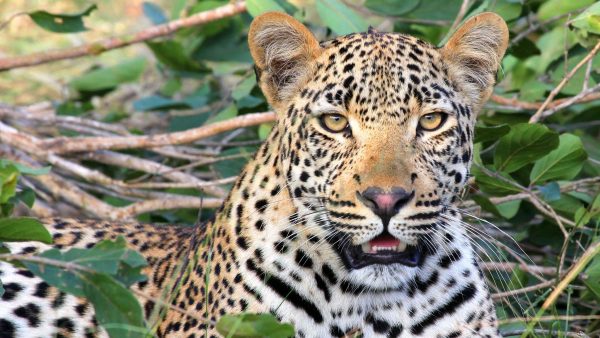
{"points": [[344, 221]]}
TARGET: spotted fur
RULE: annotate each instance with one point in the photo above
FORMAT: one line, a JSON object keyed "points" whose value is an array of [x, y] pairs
{"points": [[274, 245]]}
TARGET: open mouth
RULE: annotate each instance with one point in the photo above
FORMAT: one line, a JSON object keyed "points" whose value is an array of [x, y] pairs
{"points": [[384, 249]]}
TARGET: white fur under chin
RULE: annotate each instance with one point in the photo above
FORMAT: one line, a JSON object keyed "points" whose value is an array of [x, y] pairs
{"points": [[380, 277]]}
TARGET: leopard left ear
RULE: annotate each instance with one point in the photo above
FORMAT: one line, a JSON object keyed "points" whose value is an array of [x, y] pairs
{"points": [[284, 51], [474, 53]]}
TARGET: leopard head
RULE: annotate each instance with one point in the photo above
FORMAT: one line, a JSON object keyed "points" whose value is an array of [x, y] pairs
{"points": [[375, 130]]}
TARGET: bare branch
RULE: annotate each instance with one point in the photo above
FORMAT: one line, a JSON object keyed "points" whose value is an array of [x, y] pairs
{"points": [[542, 285], [61, 145], [514, 103], [154, 168], [183, 202]]}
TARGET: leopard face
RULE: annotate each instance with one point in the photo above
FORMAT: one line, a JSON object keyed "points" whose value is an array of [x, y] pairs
{"points": [[376, 133]]}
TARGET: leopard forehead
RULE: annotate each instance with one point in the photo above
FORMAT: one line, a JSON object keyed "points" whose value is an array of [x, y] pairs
{"points": [[378, 77]]}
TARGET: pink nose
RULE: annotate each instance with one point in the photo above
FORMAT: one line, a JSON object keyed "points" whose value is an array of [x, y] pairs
{"points": [[384, 201], [385, 204]]}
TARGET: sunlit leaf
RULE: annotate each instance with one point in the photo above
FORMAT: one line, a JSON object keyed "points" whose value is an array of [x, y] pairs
{"points": [[553, 8], [8, 181], [589, 20]]}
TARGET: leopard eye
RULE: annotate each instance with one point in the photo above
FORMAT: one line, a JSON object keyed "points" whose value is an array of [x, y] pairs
{"points": [[334, 123], [432, 121]]}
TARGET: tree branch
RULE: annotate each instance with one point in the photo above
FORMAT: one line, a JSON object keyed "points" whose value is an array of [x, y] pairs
{"points": [[101, 46], [61, 145]]}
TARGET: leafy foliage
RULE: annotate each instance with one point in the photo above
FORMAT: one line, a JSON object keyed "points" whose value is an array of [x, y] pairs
{"points": [[101, 274], [536, 182]]}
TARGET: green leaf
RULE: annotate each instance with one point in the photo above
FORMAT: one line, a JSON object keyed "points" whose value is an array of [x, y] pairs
{"points": [[550, 192], [507, 9], [8, 182], [509, 209], [23, 169], [484, 134], [61, 23], [493, 185], [110, 77], [552, 8], [264, 130], [253, 326], [243, 88], [563, 163], [589, 20], [20, 229], [436, 10], [524, 144], [591, 277], [27, 196], [116, 309], [227, 113], [1, 289], [172, 54], [566, 204], [157, 102], [573, 87], [518, 279], [340, 18], [552, 46], [258, 7], [584, 215], [111, 258], [392, 7], [233, 166], [153, 12]]}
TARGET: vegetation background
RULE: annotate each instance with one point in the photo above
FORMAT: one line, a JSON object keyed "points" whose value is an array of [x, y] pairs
{"points": [[76, 108]]}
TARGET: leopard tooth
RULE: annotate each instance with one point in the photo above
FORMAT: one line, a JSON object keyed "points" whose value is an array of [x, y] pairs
{"points": [[366, 247], [401, 247]]}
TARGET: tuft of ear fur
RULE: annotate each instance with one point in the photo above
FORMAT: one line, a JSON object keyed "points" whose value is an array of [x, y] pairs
{"points": [[283, 51], [474, 53]]}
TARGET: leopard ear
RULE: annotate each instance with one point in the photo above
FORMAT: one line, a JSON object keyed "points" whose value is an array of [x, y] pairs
{"points": [[284, 51], [474, 53]]}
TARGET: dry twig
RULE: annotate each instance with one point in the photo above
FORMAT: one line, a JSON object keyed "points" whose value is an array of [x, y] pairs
{"points": [[539, 114]]}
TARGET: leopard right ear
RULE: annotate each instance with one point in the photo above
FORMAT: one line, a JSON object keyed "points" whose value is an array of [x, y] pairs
{"points": [[284, 51]]}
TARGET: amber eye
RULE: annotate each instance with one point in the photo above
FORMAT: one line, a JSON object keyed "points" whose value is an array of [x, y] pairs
{"points": [[334, 123], [432, 121]]}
